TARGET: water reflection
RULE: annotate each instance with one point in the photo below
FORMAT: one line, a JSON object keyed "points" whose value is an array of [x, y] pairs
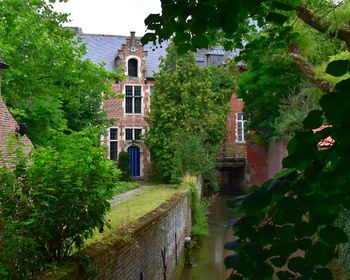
{"points": [[209, 258]]}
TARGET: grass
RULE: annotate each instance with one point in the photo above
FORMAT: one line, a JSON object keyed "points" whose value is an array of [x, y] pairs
{"points": [[122, 186], [129, 210]]}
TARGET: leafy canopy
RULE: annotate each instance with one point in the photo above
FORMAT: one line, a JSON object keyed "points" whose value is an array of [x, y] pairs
{"points": [[288, 222], [190, 100], [49, 85]]}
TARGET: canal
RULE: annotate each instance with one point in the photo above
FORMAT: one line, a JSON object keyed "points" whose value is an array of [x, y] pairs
{"points": [[208, 259]]}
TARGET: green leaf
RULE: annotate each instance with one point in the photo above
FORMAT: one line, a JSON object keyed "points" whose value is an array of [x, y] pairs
{"points": [[276, 18], [282, 6], [148, 37], [232, 261], [323, 274], [152, 18], [298, 264], [313, 120], [320, 254], [338, 68], [232, 245], [278, 261], [333, 235], [285, 275]]}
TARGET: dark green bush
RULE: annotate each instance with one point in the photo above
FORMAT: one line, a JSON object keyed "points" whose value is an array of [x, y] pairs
{"points": [[190, 157], [124, 165], [53, 202]]}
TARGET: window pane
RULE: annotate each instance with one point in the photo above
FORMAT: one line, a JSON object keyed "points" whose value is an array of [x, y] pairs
{"points": [[128, 134], [113, 134], [215, 59], [138, 133], [128, 90], [128, 105], [137, 90], [137, 109], [151, 90], [113, 150], [132, 67], [239, 116]]}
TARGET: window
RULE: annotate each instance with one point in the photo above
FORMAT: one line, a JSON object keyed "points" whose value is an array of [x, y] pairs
{"points": [[133, 100], [214, 59], [132, 67], [113, 143], [151, 90], [240, 124], [133, 134]]}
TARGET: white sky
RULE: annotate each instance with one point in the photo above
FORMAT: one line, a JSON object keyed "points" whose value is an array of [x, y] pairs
{"points": [[109, 16]]}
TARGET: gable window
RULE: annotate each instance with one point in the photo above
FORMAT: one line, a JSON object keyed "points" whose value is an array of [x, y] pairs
{"points": [[133, 100], [214, 59], [132, 134], [132, 67], [240, 126], [113, 143]]}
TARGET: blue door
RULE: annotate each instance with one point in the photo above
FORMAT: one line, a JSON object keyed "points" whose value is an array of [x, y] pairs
{"points": [[134, 153]]}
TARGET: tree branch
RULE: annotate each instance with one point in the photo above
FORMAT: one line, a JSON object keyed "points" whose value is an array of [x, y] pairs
{"points": [[307, 69], [308, 16]]}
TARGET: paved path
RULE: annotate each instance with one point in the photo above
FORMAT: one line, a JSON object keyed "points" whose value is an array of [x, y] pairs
{"points": [[123, 196]]}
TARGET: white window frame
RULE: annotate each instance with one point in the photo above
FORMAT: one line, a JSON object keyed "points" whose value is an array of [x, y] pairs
{"points": [[133, 133], [241, 121], [141, 96], [113, 140]]}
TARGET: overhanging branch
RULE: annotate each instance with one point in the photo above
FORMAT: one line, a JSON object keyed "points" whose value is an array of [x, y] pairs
{"points": [[319, 24], [307, 69]]}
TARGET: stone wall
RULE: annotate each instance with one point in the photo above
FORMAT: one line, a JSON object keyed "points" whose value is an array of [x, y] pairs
{"points": [[150, 249]]}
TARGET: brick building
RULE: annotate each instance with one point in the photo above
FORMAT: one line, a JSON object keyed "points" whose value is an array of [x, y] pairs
{"points": [[130, 113], [8, 128]]}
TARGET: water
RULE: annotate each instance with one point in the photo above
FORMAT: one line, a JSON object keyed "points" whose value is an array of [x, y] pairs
{"points": [[208, 260]]}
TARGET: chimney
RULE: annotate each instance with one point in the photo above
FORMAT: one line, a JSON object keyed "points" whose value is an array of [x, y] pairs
{"points": [[132, 38]]}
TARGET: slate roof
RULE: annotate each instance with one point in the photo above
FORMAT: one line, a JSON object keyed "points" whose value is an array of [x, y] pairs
{"points": [[104, 49]]}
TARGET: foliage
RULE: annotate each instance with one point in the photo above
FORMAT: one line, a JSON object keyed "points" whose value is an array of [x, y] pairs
{"points": [[49, 85], [288, 222], [184, 101], [270, 76], [190, 157], [294, 108], [124, 165], [298, 209], [122, 187], [53, 202], [343, 222], [198, 208]]}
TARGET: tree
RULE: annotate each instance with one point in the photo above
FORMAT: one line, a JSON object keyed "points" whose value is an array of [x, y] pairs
{"points": [[288, 222], [49, 85], [184, 101], [52, 203]]}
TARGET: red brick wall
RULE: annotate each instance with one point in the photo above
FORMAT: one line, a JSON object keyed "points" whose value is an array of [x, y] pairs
{"points": [[264, 160], [230, 148], [8, 127], [115, 107]]}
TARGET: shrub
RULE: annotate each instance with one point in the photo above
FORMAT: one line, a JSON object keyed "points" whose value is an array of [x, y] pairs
{"points": [[54, 203], [124, 165], [199, 208], [190, 157]]}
